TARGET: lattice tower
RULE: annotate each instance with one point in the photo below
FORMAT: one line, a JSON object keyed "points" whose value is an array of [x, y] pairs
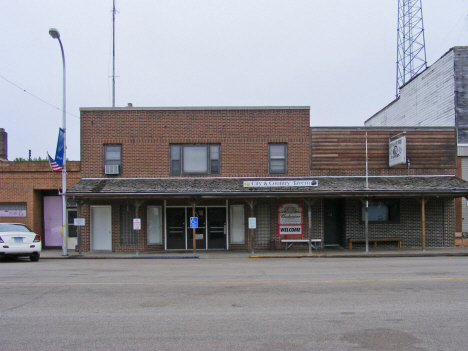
{"points": [[411, 47]]}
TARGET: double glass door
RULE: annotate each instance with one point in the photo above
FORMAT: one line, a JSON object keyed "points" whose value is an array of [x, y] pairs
{"points": [[210, 234]]}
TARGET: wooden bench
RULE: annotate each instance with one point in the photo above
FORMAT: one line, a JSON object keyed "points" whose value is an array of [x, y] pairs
{"points": [[375, 241], [290, 242]]}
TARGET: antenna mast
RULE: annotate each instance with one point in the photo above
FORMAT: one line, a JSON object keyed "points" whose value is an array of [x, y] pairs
{"points": [[411, 46], [113, 54]]}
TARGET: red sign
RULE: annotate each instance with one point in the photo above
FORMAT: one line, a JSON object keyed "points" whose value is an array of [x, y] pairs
{"points": [[290, 219]]}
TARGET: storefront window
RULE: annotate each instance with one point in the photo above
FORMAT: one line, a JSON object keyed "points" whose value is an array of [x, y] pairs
{"points": [[382, 211]]}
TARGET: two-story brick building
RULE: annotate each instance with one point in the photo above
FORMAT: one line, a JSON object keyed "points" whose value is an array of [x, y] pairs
{"points": [[223, 165]]}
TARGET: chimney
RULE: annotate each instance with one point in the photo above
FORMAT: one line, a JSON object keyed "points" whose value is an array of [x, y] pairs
{"points": [[3, 145]]}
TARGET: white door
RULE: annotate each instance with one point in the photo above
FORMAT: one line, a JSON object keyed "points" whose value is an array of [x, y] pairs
{"points": [[101, 228]]}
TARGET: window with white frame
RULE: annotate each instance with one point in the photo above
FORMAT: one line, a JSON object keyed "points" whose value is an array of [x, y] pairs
{"points": [[112, 159], [277, 158], [195, 159], [154, 224], [237, 224]]}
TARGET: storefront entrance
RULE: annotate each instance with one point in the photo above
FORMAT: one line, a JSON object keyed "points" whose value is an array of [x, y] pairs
{"points": [[210, 234]]}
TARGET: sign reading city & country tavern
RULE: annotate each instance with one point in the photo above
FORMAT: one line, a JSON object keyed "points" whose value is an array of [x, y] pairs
{"points": [[278, 183], [290, 219]]}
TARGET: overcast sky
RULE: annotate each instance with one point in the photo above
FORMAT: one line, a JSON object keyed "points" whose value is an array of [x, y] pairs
{"points": [[336, 56]]}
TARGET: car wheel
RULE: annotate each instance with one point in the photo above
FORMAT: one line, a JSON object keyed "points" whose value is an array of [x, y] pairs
{"points": [[35, 257]]}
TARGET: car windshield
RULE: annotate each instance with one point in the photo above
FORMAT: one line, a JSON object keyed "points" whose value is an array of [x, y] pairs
{"points": [[7, 227]]}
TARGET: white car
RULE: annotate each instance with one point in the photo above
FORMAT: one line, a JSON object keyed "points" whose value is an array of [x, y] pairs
{"points": [[18, 240]]}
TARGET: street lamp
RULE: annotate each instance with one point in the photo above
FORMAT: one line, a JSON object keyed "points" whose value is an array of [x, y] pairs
{"points": [[54, 33]]}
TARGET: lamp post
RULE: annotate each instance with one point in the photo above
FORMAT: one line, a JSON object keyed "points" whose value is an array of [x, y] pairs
{"points": [[54, 33]]}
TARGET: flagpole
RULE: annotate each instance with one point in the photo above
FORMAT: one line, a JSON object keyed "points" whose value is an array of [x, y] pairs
{"points": [[54, 33]]}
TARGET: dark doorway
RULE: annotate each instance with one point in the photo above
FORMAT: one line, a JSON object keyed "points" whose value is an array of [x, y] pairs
{"points": [[333, 221], [175, 228], [216, 227]]}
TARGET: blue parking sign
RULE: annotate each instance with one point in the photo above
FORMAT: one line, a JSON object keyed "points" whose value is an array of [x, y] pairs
{"points": [[193, 222]]}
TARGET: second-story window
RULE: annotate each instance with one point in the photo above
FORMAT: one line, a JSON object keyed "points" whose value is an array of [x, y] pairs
{"points": [[277, 158], [112, 159], [194, 159]]}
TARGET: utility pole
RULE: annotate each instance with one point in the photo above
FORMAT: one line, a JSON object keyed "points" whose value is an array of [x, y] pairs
{"points": [[113, 54]]}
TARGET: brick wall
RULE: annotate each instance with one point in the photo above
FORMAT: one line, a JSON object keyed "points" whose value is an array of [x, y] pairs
{"points": [[440, 223], [25, 182], [145, 135]]}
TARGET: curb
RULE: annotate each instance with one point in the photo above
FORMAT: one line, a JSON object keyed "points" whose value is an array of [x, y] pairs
{"points": [[368, 255], [82, 257]]}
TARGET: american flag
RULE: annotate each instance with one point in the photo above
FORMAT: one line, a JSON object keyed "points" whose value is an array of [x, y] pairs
{"points": [[55, 167]]}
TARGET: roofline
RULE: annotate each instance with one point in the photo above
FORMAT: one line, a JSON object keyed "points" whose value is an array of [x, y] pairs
{"points": [[277, 178], [195, 108], [340, 194], [414, 77], [386, 128]]}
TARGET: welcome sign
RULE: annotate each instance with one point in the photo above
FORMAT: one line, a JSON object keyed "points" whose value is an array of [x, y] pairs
{"points": [[290, 219]]}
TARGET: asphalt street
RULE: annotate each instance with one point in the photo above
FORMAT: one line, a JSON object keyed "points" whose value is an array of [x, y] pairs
{"points": [[235, 304]]}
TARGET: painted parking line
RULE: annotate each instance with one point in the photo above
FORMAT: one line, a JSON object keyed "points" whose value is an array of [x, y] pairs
{"points": [[240, 282]]}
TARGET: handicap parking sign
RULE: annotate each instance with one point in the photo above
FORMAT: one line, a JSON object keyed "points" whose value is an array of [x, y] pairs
{"points": [[193, 222]]}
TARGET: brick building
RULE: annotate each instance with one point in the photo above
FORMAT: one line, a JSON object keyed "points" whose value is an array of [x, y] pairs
{"points": [[223, 165], [29, 194]]}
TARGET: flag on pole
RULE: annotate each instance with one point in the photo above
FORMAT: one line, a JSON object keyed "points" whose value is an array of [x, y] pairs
{"points": [[60, 149], [55, 167]]}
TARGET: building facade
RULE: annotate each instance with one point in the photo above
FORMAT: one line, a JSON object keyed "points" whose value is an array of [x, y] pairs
{"points": [[245, 178], [29, 194], [436, 97]]}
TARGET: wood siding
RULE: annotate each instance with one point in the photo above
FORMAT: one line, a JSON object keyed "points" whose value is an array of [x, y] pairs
{"points": [[430, 150]]}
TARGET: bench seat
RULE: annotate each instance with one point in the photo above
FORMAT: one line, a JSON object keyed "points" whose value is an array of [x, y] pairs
{"points": [[375, 241], [290, 242]]}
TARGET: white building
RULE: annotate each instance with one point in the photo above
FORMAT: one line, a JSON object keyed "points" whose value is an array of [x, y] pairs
{"points": [[436, 97]]}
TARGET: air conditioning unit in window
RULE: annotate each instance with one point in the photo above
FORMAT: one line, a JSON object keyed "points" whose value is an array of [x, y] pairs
{"points": [[112, 169]]}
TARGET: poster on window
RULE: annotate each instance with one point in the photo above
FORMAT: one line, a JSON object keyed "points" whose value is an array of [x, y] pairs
{"points": [[290, 219]]}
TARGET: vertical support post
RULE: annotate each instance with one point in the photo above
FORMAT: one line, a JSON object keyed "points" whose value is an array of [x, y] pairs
{"points": [[78, 230], [367, 225], [193, 230], [423, 220], [251, 203], [137, 236], [309, 216], [137, 204], [252, 233]]}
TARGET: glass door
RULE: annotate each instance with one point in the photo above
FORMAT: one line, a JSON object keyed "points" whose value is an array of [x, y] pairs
{"points": [[175, 228], [217, 227]]}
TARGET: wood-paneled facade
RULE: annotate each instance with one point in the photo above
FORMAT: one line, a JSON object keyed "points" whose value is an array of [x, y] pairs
{"points": [[342, 151]]}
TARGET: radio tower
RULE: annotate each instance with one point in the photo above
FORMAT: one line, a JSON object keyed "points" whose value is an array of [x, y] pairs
{"points": [[411, 47]]}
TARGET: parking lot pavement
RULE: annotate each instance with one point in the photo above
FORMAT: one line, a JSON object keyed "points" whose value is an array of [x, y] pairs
{"points": [[220, 254]]}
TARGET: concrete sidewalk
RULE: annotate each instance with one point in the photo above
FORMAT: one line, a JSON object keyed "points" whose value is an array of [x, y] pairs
{"points": [[221, 254]]}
